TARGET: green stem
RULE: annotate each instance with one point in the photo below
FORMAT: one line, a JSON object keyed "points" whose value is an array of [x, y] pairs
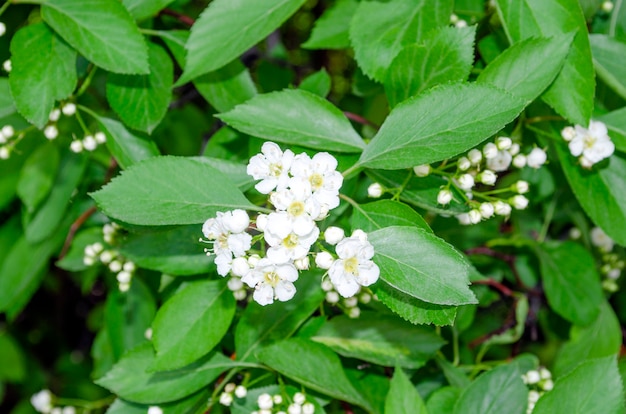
{"points": [[4, 7], [549, 215], [542, 132], [350, 170], [79, 118], [399, 191], [455, 346], [87, 81], [151, 32], [88, 405], [614, 17]]}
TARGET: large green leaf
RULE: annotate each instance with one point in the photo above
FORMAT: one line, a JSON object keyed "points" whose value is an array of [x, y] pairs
{"points": [[527, 68], [192, 323], [570, 281], [313, 365], [331, 29], [130, 379], [101, 30], [318, 83], [384, 213], [37, 176], [594, 387], [422, 265], [609, 59], [571, 93], [12, 361], [141, 101], [378, 31], [227, 28], [440, 124], [615, 122], [7, 105], [127, 147], [443, 400], [142, 9], [295, 117], [403, 398], [380, 339], [44, 70], [500, 390], [169, 190], [444, 57]]}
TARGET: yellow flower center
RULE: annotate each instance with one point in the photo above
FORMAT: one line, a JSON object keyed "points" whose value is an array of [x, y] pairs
{"points": [[351, 265], [276, 170], [290, 241], [271, 278], [316, 181], [296, 208], [589, 141]]}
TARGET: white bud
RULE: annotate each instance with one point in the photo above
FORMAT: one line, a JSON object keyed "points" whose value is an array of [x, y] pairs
{"points": [[454, 18], [3, 139], [514, 149], [490, 150], [129, 267], [76, 146], [237, 221], [375, 190], [568, 133], [90, 143], [324, 260], [332, 297], [503, 143], [299, 398], [575, 233], [56, 410], [422, 170], [4, 153], [464, 219], [333, 235], [97, 247], [475, 156], [115, 266], [302, 263], [327, 285], [294, 409], [547, 385], [474, 216], [360, 234], [365, 298], [519, 161], [261, 222], [521, 187], [106, 256], [460, 24], [226, 399], [42, 401], [100, 137], [544, 373], [466, 182], [265, 401], [123, 277], [354, 312], [68, 409], [536, 158], [607, 6], [123, 287], [533, 396], [155, 410], [7, 66], [488, 177], [486, 210], [51, 132], [240, 267], [444, 197], [230, 387], [519, 202], [278, 399], [501, 208], [253, 260], [148, 334], [464, 164], [240, 294], [614, 274], [241, 391], [351, 302], [88, 261], [54, 115], [3, 29], [532, 377], [308, 408], [234, 284], [8, 131], [69, 109]]}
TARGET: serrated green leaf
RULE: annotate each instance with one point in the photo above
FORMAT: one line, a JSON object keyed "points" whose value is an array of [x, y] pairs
{"points": [[191, 323], [500, 390], [528, 67], [317, 83], [378, 31], [101, 30], [571, 94], [380, 339], [235, 171], [169, 190], [570, 281], [422, 265], [331, 29], [295, 117], [44, 70], [403, 397], [439, 124], [141, 101], [37, 176], [609, 60], [7, 106], [227, 28], [444, 57], [615, 122], [130, 379], [384, 213], [443, 400], [594, 387], [142, 9], [313, 365]]}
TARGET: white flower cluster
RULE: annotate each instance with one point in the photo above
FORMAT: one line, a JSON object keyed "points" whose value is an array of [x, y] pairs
{"points": [[42, 402], [349, 305], [591, 145], [93, 253], [51, 131], [457, 22], [88, 143], [269, 404], [612, 265], [6, 146], [303, 190], [539, 382], [232, 390]]}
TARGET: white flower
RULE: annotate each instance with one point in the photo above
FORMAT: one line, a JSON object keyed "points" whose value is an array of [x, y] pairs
{"points": [[51, 132], [334, 235], [466, 182], [444, 197], [42, 401], [536, 158], [519, 161], [519, 202], [422, 170], [69, 109], [241, 391], [320, 172], [324, 260], [375, 190], [265, 401], [354, 268], [521, 187], [486, 210], [592, 145], [227, 229], [600, 239], [503, 143], [226, 399], [500, 162], [490, 150], [272, 281], [488, 177], [464, 164], [291, 247], [271, 167], [501, 208], [475, 156]]}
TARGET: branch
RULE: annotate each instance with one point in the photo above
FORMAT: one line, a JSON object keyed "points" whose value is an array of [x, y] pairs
{"points": [[358, 118], [178, 16], [508, 258]]}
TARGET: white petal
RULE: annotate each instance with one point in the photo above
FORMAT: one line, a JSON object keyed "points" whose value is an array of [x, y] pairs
{"points": [[223, 263], [368, 273], [266, 186], [278, 254], [240, 243], [263, 294], [576, 146], [285, 290]]}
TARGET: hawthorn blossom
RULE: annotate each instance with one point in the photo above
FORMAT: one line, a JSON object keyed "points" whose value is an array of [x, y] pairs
{"points": [[354, 267], [271, 167], [272, 281], [321, 174], [591, 145], [291, 247], [295, 212], [231, 240]]}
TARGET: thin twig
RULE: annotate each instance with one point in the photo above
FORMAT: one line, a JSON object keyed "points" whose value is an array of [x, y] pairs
{"points": [[505, 291], [179, 16], [358, 118], [507, 258]]}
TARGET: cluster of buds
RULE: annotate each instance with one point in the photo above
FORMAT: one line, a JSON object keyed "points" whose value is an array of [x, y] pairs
{"points": [[7, 132], [457, 22], [51, 131], [303, 190], [232, 391], [539, 382], [88, 143], [591, 145], [42, 402], [611, 263], [269, 404], [350, 305]]}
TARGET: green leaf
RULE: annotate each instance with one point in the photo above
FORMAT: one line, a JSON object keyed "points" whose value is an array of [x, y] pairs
{"points": [[192, 404], [317, 83], [174, 251], [439, 124], [384, 213], [227, 28], [500, 390], [314, 366], [609, 59], [142, 9], [380, 339], [141, 101], [379, 30], [603, 337], [594, 387], [403, 396], [414, 310], [73, 260], [130, 379], [527, 68], [263, 325], [295, 117], [513, 334], [571, 94], [44, 70], [616, 124], [128, 148], [37, 176], [101, 30], [570, 281], [7, 106], [444, 57], [422, 265], [169, 190], [192, 323], [331, 29], [235, 171], [443, 400], [12, 361]]}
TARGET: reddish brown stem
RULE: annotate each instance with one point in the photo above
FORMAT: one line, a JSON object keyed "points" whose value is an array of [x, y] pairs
{"points": [[509, 259], [358, 118], [179, 16], [505, 291], [346, 408]]}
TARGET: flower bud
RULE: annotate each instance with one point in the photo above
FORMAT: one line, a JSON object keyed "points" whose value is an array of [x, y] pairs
{"points": [[241, 391], [486, 210], [365, 298], [464, 219], [519, 161], [474, 216], [69, 109], [8, 131], [536, 158], [514, 150], [324, 260], [3, 29], [226, 399], [332, 297], [568, 133], [278, 399], [7, 66], [100, 137], [234, 284], [261, 222], [327, 285], [265, 401], [521, 187], [466, 182], [302, 263], [544, 373], [360, 234], [299, 398], [155, 410], [55, 114], [375, 190], [308, 408], [519, 202], [503, 143], [333, 235], [124, 277], [253, 260], [240, 294], [464, 164], [76, 146], [354, 312], [490, 150], [475, 156], [4, 153], [532, 377], [501, 208], [294, 409], [607, 6], [444, 197], [123, 287], [115, 266], [548, 385], [533, 396], [236, 221], [230, 387], [488, 177], [575, 233], [129, 267], [351, 302], [51, 132], [422, 170], [148, 334]]}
